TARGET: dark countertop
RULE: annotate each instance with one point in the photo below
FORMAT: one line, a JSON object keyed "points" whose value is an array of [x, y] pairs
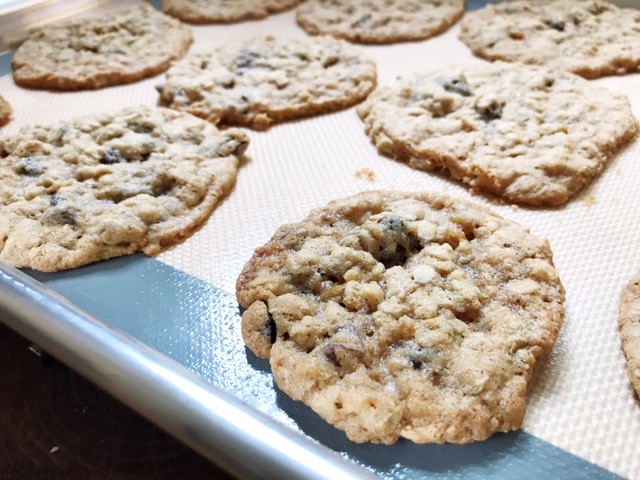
{"points": [[55, 424]]}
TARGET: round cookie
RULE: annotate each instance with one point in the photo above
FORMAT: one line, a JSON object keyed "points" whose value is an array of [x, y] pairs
{"points": [[108, 185], [411, 315], [379, 21], [629, 321], [118, 48], [267, 79], [591, 38], [224, 11], [5, 111], [528, 134]]}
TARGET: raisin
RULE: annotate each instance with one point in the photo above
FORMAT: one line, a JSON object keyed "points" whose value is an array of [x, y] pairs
{"points": [[29, 167], [270, 330], [140, 127], [58, 213], [419, 357], [247, 59], [330, 353], [329, 62], [397, 245], [556, 24], [65, 216], [111, 156], [393, 223], [344, 357], [456, 85], [489, 108], [362, 20]]}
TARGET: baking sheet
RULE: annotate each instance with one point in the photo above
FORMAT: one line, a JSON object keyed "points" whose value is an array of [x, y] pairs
{"points": [[581, 403]]}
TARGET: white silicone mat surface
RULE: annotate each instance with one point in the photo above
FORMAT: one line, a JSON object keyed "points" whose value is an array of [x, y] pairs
{"points": [[582, 400]]}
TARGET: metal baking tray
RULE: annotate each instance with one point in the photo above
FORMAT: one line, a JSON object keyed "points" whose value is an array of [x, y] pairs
{"points": [[163, 334]]}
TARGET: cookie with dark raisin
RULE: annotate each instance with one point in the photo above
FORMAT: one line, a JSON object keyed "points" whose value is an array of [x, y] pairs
{"points": [[530, 135], [102, 186], [265, 80], [629, 322], [120, 47], [224, 11], [5, 111], [591, 38], [379, 21], [411, 315]]}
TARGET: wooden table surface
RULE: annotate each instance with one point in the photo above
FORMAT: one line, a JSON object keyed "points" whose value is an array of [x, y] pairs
{"points": [[54, 424]]}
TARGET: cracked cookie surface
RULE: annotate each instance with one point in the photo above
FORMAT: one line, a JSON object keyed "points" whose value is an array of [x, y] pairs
{"points": [[591, 38], [5, 111], [224, 11], [269, 79], [629, 322], [120, 47], [379, 21], [530, 135], [408, 315], [102, 186]]}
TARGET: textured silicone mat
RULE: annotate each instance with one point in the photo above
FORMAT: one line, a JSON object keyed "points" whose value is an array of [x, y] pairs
{"points": [[582, 401]]}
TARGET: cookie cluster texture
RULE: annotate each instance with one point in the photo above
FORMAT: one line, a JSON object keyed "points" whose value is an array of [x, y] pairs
{"points": [[404, 315], [376, 21], [392, 315], [629, 322], [121, 47], [591, 38], [530, 135], [269, 79], [140, 179], [5, 111], [224, 11]]}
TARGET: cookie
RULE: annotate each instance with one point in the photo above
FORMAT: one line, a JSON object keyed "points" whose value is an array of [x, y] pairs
{"points": [[5, 111], [591, 38], [379, 21], [267, 79], [224, 11], [411, 315], [118, 48], [527, 134], [629, 321], [108, 185]]}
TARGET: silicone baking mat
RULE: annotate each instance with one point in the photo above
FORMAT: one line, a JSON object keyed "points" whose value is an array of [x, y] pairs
{"points": [[583, 419]]}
